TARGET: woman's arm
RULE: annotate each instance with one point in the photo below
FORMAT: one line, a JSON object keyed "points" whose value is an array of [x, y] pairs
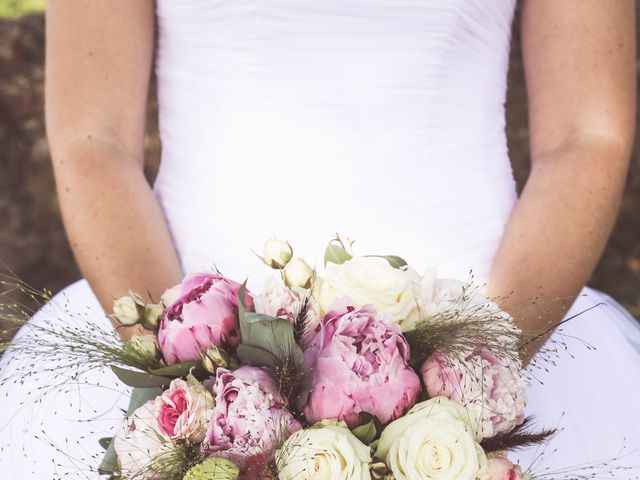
{"points": [[98, 61], [579, 60]]}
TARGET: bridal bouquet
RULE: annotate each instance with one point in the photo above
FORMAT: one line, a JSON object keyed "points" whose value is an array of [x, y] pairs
{"points": [[368, 370]]}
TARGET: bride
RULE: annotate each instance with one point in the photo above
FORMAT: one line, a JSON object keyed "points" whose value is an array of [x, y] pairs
{"points": [[383, 121]]}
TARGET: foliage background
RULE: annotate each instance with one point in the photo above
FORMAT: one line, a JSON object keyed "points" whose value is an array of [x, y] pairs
{"points": [[32, 240]]}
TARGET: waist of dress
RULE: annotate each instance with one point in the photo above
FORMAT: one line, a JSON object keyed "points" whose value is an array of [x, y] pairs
{"points": [[449, 212]]}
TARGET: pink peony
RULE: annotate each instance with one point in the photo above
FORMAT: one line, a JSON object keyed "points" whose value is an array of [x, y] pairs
{"points": [[182, 410], [250, 419], [491, 389], [359, 364], [203, 312], [501, 468]]}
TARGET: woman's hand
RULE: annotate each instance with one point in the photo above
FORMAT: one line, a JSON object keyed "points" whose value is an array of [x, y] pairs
{"points": [[98, 62], [580, 72]]}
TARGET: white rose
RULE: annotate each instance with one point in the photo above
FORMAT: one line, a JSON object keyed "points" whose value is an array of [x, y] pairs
{"points": [[434, 295], [127, 310], [276, 253], [298, 273], [330, 452], [139, 444], [435, 440], [438, 295], [370, 280]]}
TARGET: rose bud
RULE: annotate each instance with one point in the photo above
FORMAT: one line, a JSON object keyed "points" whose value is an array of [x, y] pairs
{"points": [[298, 273], [128, 310], [152, 315], [214, 358], [276, 253], [146, 347], [205, 314], [501, 468]]}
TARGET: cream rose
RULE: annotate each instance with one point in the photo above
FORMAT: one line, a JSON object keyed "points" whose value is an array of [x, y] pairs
{"points": [[369, 280], [140, 445], [435, 440], [330, 452]]}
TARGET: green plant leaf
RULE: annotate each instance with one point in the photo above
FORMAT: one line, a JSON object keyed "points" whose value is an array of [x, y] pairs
{"points": [[336, 253], [105, 442], [270, 342], [394, 260], [271, 334], [255, 356], [365, 433], [301, 401], [140, 379], [175, 370]]}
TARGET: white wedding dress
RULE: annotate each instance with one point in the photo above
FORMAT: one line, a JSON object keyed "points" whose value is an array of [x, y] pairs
{"points": [[381, 120]]}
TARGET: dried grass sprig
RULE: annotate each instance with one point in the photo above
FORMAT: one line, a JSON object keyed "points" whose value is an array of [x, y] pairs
{"points": [[520, 437], [463, 327]]}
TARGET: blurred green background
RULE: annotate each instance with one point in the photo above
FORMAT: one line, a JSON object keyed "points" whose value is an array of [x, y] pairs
{"points": [[32, 240]]}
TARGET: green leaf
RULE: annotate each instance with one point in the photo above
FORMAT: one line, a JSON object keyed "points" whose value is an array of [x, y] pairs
{"points": [[301, 401], [255, 356], [175, 370], [269, 342], [140, 379], [365, 433], [394, 260], [253, 317], [368, 429], [271, 334], [336, 254], [105, 442]]}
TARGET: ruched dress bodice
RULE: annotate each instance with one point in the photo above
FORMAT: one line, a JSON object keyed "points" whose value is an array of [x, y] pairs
{"points": [[298, 118]]}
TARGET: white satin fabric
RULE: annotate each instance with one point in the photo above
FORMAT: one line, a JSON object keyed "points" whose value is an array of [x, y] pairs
{"points": [[379, 120]]}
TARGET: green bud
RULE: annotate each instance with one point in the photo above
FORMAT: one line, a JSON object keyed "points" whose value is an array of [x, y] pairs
{"points": [[145, 346], [213, 469], [215, 357], [152, 315], [127, 311]]}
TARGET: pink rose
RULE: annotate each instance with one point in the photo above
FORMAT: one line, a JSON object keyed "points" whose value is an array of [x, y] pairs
{"points": [[203, 312], [250, 420], [359, 364], [491, 389], [501, 468], [182, 410]]}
